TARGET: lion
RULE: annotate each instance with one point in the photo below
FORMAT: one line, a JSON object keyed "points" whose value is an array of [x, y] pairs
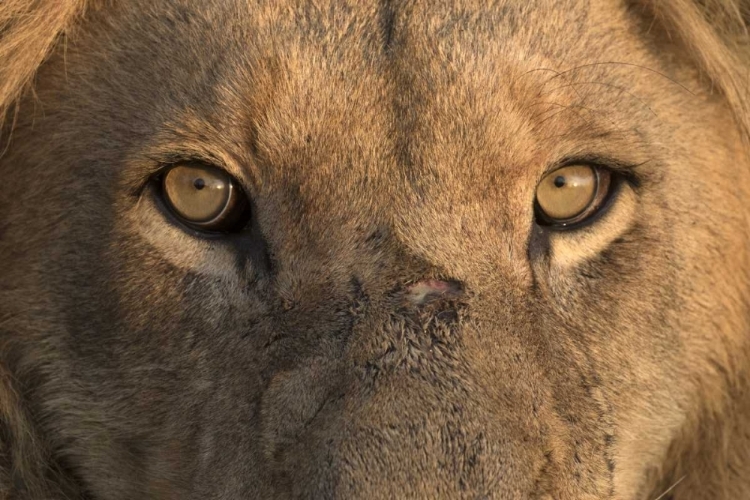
{"points": [[388, 249]]}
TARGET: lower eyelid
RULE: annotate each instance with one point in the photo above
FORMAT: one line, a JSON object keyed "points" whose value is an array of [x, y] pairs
{"points": [[151, 195], [569, 248], [173, 243]]}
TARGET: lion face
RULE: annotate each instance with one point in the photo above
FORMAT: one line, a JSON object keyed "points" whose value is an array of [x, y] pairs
{"points": [[403, 306]]}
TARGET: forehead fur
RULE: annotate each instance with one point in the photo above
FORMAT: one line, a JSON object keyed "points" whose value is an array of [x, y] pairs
{"points": [[712, 33]]}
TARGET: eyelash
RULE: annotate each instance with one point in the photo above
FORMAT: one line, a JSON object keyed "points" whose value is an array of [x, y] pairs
{"points": [[623, 170]]}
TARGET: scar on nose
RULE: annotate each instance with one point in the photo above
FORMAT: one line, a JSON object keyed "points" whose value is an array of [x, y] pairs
{"points": [[428, 290]]}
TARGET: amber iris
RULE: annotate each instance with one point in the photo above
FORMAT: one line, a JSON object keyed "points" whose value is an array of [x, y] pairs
{"points": [[571, 194], [204, 197]]}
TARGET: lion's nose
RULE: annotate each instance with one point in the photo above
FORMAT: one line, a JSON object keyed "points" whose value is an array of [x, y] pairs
{"points": [[426, 291]]}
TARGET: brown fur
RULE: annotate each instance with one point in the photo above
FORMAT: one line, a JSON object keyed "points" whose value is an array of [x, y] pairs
{"points": [[381, 143]]}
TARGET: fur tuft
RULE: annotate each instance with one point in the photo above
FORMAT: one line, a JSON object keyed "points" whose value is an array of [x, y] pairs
{"points": [[715, 35], [28, 32]]}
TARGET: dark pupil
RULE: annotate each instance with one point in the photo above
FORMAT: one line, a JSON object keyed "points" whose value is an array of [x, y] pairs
{"points": [[559, 181], [199, 183]]}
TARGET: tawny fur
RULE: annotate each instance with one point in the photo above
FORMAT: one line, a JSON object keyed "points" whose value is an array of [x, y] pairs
{"points": [[381, 143]]}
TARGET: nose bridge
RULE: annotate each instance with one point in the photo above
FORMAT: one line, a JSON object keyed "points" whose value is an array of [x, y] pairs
{"points": [[413, 439], [421, 411], [437, 391], [431, 408], [433, 392]]}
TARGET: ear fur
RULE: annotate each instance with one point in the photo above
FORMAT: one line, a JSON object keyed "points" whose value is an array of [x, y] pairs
{"points": [[28, 31], [714, 33]]}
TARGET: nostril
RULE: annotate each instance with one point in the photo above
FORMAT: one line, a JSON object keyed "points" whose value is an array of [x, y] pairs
{"points": [[425, 291]]}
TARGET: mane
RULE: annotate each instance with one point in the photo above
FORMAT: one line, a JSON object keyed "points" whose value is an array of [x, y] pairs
{"points": [[29, 29], [714, 34]]}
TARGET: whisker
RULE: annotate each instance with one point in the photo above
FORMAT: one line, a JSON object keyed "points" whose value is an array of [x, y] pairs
{"points": [[660, 497], [609, 85], [572, 107], [556, 74], [632, 65], [555, 112]]}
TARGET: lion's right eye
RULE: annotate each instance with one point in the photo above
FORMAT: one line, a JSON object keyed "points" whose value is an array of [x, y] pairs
{"points": [[571, 195], [205, 197]]}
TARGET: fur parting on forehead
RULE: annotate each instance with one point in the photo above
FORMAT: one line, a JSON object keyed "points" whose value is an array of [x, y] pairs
{"points": [[713, 33]]}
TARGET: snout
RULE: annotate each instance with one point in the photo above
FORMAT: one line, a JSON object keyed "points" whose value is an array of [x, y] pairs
{"points": [[410, 439], [403, 437], [427, 400]]}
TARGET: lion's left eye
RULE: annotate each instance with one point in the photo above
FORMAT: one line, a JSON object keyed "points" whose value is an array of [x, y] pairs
{"points": [[571, 195], [204, 197]]}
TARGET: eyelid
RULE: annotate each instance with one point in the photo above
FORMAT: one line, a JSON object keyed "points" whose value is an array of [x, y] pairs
{"points": [[151, 190], [172, 159], [610, 198], [627, 170], [150, 165]]}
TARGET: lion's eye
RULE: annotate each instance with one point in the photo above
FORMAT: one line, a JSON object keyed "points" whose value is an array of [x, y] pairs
{"points": [[204, 197], [571, 194]]}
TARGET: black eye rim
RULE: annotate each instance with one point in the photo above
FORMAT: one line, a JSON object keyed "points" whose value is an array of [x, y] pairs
{"points": [[596, 208], [233, 218]]}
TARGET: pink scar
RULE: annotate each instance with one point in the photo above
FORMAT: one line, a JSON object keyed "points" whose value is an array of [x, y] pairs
{"points": [[427, 290]]}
